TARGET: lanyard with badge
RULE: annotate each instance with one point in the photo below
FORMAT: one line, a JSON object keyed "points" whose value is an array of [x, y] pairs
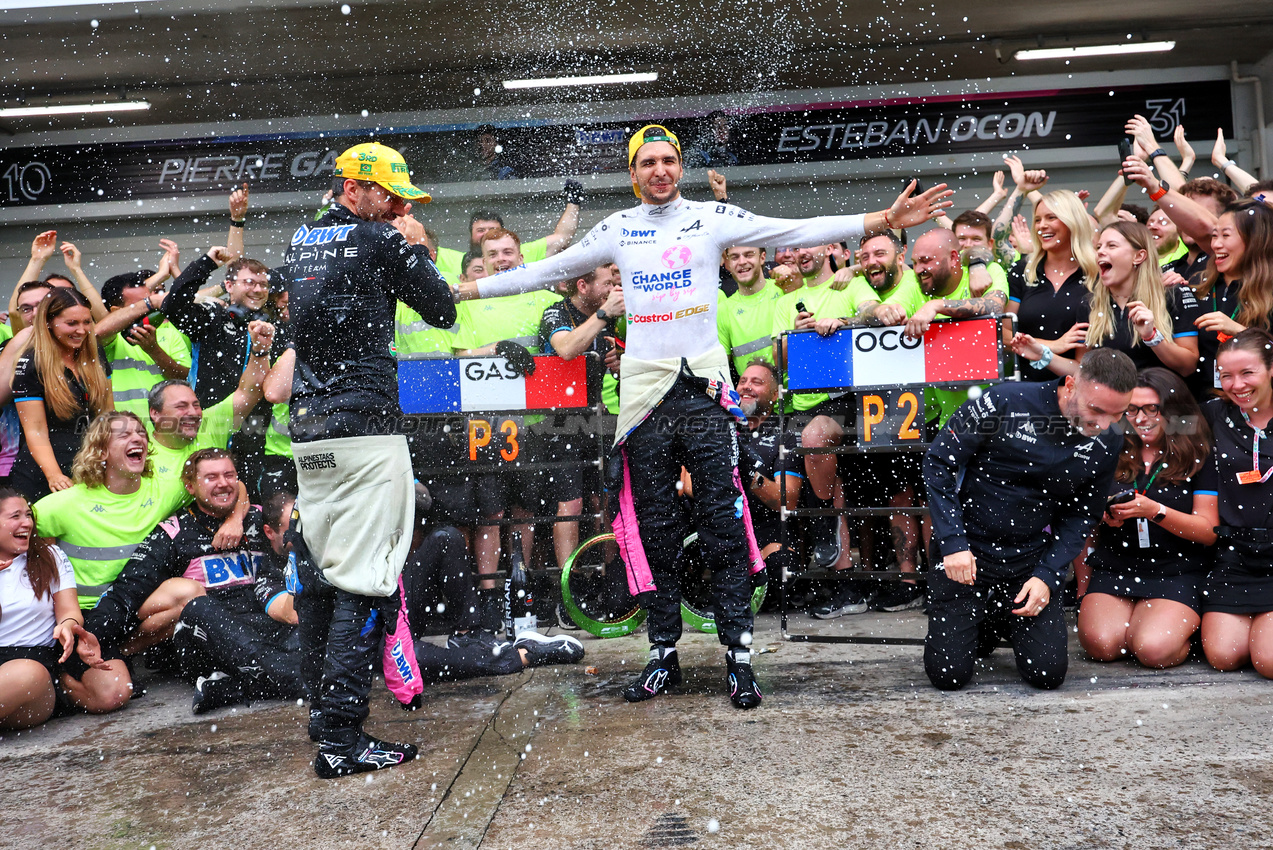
{"points": [[1142, 523], [1253, 476], [1221, 336]]}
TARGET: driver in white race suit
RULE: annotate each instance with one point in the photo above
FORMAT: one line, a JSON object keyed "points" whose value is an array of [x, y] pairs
{"points": [[677, 405]]}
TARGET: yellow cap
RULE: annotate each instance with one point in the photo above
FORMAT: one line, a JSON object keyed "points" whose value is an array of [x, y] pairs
{"points": [[649, 133], [379, 164]]}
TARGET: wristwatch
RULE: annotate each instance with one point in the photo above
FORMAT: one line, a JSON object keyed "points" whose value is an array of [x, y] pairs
{"points": [[1162, 513], [602, 315]]}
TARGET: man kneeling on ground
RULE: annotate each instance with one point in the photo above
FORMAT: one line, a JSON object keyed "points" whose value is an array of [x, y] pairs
{"points": [[1016, 479]]}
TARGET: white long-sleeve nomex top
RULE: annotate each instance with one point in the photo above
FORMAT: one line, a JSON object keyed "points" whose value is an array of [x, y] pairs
{"points": [[669, 257]]}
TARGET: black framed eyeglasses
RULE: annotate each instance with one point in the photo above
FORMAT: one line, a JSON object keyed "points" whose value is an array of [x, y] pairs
{"points": [[1149, 409]]}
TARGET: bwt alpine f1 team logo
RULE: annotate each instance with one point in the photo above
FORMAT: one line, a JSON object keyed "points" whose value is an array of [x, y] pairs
{"points": [[678, 256]]}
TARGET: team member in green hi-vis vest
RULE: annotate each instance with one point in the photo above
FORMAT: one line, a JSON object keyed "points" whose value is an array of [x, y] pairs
{"points": [[414, 336], [115, 501], [142, 348], [450, 261], [182, 426], [744, 320]]}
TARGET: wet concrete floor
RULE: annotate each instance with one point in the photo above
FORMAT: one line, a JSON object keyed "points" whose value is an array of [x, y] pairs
{"points": [[851, 748]]}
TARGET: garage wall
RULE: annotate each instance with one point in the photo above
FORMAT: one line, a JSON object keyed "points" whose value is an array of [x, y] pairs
{"points": [[116, 238]]}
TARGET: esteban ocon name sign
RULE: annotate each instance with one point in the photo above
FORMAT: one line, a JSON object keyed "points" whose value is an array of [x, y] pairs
{"points": [[760, 135]]}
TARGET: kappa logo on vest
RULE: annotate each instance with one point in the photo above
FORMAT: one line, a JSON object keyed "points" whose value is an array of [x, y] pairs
{"points": [[326, 460]]}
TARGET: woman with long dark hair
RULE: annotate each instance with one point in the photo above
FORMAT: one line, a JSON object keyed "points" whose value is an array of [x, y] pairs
{"points": [[1237, 619], [59, 384], [1152, 550], [1236, 290], [40, 619]]}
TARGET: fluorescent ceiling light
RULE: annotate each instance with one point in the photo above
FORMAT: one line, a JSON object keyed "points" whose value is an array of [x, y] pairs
{"points": [[6, 5], [1096, 50], [74, 109], [597, 80]]}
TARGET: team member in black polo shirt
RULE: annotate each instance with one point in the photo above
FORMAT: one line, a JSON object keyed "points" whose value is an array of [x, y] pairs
{"points": [[1236, 290], [1154, 549], [1130, 310], [581, 322], [1048, 290], [1016, 479], [1238, 597]]}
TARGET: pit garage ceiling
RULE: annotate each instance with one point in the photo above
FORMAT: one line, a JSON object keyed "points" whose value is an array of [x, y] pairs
{"points": [[227, 60]]}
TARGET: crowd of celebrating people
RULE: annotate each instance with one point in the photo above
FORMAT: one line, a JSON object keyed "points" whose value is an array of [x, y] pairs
{"points": [[190, 459]]}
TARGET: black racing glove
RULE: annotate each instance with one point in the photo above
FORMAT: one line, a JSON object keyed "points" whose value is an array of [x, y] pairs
{"points": [[518, 357], [573, 190]]}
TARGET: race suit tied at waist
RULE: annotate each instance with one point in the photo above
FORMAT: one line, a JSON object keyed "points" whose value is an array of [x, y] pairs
{"points": [[489, 384], [949, 352]]}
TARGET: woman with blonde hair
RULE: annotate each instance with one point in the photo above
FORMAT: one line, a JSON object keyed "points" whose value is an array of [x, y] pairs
{"points": [[59, 384], [1131, 310], [1048, 290]]}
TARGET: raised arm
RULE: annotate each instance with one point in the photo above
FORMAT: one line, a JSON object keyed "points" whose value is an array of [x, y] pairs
{"points": [[238, 218], [564, 233], [1107, 207], [42, 248], [1187, 214], [1241, 180], [1139, 128], [252, 383], [179, 306], [71, 256], [997, 194]]}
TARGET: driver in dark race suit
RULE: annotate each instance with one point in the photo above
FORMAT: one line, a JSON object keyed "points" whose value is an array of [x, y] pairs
{"points": [[677, 404], [356, 492]]}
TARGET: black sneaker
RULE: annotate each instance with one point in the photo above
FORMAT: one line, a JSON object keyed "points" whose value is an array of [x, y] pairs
{"points": [[743, 690], [217, 691], [898, 596], [846, 600], [659, 675], [541, 649], [479, 638], [366, 755], [564, 619]]}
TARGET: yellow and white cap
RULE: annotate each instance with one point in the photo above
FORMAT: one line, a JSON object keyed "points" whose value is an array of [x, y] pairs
{"points": [[650, 133], [380, 164]]}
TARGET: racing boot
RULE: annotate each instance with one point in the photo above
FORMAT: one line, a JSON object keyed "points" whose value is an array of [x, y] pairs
{"points": [[366, 754], [743, 690], [662, 672]]}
